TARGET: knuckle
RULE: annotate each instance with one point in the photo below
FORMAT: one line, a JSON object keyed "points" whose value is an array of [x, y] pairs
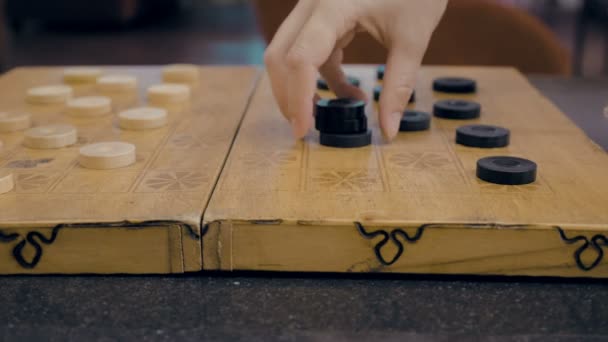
{"points": [[296, 57], [270, 57]]}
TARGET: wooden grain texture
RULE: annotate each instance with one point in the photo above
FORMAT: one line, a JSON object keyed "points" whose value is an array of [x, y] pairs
{"points": [[414, 205], [145, 218]]}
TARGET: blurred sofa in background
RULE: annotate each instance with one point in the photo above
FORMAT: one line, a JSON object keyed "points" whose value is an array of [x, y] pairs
{"points": [[472, 32]]}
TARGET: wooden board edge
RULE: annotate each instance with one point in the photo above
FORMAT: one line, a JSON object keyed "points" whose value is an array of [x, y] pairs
{"points": [[217, 246], [435, 248], [28, 246]]}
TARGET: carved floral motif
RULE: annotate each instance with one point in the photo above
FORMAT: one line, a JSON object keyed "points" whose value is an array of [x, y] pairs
{"points": [[355, 180], [175, 180]]}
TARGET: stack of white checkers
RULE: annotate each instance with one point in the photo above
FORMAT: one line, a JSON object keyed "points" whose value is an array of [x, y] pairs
{"points": [[178, 79]]}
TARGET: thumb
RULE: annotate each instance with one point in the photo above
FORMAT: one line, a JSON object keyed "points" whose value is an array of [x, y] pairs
{"points": [[399, 81]]}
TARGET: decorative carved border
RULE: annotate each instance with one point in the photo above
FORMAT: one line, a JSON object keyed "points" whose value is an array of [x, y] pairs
{"points": [[8, 237], [30, 238], [392, 236], [595, 243], [37, 240]]}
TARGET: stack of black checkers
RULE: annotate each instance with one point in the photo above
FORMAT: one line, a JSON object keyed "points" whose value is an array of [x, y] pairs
{"points": [[342, 123], [378, 92], [322, 84]]}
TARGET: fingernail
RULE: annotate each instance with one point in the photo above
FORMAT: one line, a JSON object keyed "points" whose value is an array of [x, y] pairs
{"points": [[393, 127]]}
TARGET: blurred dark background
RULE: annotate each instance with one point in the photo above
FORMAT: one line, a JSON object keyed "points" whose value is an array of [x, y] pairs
{"points": [[568, 37]]}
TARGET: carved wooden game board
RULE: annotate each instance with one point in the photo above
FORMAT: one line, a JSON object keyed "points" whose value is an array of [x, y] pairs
{"points": [[413, 206], [145, 218]]}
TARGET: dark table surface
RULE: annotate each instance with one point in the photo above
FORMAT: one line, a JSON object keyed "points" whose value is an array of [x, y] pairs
{"points": [[267, 306]]}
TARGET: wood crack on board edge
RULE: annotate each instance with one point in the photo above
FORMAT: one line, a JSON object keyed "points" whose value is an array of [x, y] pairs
{"points": [[37, 240], [216, 245], [595, 243]]}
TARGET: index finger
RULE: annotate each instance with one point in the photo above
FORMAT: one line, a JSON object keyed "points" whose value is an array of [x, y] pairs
{"points": [[279, 46], [310, 50]]}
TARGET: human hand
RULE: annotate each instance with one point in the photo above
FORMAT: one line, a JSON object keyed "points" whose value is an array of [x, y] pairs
{"points": [[313, 37]]}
